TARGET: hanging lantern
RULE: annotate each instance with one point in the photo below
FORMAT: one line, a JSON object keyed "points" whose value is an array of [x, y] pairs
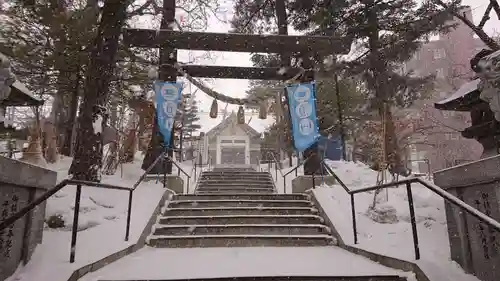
{"points": [[263, 110], [241, 115], [214, 109]]}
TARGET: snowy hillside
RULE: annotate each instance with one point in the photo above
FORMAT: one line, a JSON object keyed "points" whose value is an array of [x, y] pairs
{"points": [[101, 225], [392, 239]]}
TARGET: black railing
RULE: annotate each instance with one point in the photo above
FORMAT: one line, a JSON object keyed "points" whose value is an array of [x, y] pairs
{"points": [[76, 212], [294, 170], [408, 183], [179, 170], [277, 165]]}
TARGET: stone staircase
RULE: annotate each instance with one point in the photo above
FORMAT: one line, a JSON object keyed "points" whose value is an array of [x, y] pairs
{"points": [[230, 180], [291, 278], [239, 208]]}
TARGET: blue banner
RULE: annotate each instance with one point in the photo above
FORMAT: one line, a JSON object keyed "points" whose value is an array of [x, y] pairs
{"points": [[168, 96], [302, 102]]}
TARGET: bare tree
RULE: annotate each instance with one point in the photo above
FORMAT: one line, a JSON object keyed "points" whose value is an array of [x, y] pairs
{"points": [[478, 29]]}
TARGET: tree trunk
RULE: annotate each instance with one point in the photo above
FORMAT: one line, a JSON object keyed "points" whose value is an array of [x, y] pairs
{"points": [[168, 73], [87, 163], [154, 150], [382, 95], [67, 147]]}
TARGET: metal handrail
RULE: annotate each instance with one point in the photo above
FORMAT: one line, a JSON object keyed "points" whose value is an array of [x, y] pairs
{"points": [[277, 165], [179, 170], [145, 174], [408, 182], [21, 213], [298, 166], [294, 170], [79, 184]]}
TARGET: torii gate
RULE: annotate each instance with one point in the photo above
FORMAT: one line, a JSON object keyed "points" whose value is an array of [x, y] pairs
{"points": [[169, 41]]}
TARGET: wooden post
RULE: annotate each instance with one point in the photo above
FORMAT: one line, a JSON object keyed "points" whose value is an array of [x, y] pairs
{"points": [[167, 73], [168, 57], [285, 62], [313, 165]]}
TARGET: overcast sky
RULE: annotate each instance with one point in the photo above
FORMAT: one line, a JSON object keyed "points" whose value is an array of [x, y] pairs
{"points": [[238, 87]]}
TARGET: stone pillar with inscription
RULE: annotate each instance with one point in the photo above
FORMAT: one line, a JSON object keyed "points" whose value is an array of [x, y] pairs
{"points": [[20, 183], [474, 245]]}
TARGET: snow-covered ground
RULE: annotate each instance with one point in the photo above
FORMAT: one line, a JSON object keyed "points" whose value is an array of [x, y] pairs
{"points": [[103, 213], [391, 239], [102, 222], [159, 264]]}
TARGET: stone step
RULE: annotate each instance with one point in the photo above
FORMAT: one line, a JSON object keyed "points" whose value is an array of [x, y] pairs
{"points": [[237, 174], [234, 187], [292, 278], [231, 229], [230, 184], [199, 241], [234, 170], [241, 196], [236, 183], [209, 180], [234, 190], [241, 219], [228, 171], [238, 178], [238, 203], [218, 211]]}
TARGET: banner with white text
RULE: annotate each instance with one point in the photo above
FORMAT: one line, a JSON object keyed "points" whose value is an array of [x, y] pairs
{"points": [[302, 104], [168, 96]]}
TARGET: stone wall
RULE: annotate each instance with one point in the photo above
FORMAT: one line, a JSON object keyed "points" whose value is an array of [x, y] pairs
{"points": [[473, 244], [20, 183]]}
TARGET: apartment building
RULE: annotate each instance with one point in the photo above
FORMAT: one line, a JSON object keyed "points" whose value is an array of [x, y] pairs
{"points": [[436, 139]]}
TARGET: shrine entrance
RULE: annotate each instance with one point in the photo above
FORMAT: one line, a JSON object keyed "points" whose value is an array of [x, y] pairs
{"points": [[233, 150], [295, 66]]}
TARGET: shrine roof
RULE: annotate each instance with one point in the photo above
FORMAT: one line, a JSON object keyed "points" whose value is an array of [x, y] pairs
{"points": [[247, 127], [21, 96], [466, 97]]}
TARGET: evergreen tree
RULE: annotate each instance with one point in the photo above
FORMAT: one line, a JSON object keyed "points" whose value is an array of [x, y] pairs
{"points": [[53, 57], [191, 116], [186, 119], [385, 33], [87, 162]]}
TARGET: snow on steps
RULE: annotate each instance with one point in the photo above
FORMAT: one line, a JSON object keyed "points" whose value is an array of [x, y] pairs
{"points": [[210, 181], [239, 240], [225, 229], [223, 222], [242, 196], [213, 211], [241, 219], [293, 278], [240, 203], [233, 190], [246, 264], [232, 182]]}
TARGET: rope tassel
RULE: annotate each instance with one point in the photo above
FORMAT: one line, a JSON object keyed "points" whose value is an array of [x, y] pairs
{"points": [[214, 109], [241, 115]]}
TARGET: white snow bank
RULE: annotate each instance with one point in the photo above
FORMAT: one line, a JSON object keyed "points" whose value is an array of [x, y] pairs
{"points": [[395, 239], [159, 264], [102, 222]]}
